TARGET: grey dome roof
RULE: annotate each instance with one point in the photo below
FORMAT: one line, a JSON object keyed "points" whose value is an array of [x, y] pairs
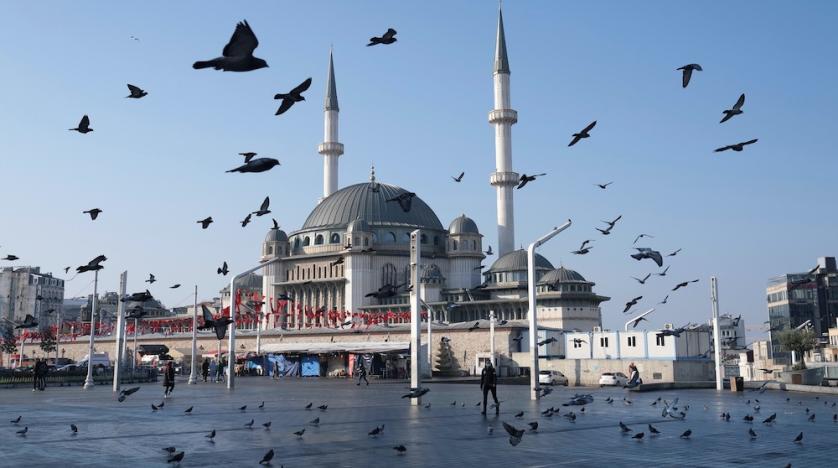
{"points": [[358, 225], [368, 201], [463, 225], [276, 235], [517, 261], [562, 275]]}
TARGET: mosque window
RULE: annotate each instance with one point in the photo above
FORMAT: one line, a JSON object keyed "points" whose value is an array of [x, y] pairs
{"points": [[474, 245], [631, 341], [423, 239], [406, 238], [306, 241], [391, 237], [455, 245], [270, 250], [436, 240], [335, 238], [318, 240], [366, 241], [296, 243]]}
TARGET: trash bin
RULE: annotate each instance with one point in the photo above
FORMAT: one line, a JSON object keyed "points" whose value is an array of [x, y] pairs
{"points": [[737, 384]]}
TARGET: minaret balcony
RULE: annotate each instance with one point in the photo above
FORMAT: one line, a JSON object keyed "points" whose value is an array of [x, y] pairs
{"points": [[330, 147], [504, 178], [503, 116]]}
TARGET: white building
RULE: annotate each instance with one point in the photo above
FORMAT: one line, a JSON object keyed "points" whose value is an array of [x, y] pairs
{"points": [[25, 290], [606, 344]]}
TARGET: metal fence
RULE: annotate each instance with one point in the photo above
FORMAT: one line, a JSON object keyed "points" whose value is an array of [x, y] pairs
{"points": [[10, 378]]}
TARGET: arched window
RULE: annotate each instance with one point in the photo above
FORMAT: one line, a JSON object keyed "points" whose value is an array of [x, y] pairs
{"points": [[406, 238], [306, 241], [366, 241], [356, 241], [270, 250], [455, 245], [296, 243], [474, 245], [436, 240], [318, 240], [391, 237], [423, 239], [335, 238]]}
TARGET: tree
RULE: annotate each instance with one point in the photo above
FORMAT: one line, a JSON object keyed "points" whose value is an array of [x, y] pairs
{"points": [[8, 342], [48, 342], [798, 341]]}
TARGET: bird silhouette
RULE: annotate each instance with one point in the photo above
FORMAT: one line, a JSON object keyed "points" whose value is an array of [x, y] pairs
{"points": [[23, 431], [525, 179], [736, 146], [686, 434], [205, 222], [583, 134], [261, 405], [638, 436], [663, 273], [322, 407], [16, 420], [799, 438], [624, 428], [94, 213], [264, 207], [174, 286], [223, 270], [249, 425], [735, 110], [641, 236], [687, 73], [632, 303], [300, 433], [151, 279], [400, 449], [267, 425], [292, 97], [188, 410], [604, 186], [256, 165], [459, 178], [643, 252], [684, 284], [387, 38], [74, 429], [136, 92], [642, 281], [237, 55], [211, 435], [266, 459], [653, 430], [11, 258], [246, 220], [515, 434], [176, 458], [84, 125], [126, 393], [404, 200], [308, 406]]}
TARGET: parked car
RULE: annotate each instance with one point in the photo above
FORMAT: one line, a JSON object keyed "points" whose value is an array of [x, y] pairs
{"points": [[67, 368], [551, 377], [613, 378], [100, 360]]}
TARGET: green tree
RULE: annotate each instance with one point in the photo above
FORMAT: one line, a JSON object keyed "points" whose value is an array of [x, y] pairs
{"points": [[798, 341], [48, 342], [8, 342]]}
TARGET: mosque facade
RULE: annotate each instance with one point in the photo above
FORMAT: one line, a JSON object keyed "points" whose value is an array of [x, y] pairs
{"points": [[349, 263]]}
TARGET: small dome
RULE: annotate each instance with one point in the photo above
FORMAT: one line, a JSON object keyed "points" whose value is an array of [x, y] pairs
{"points": [[358, 225], [562, 275], [463, 225], [517, 261], [276, 235]]}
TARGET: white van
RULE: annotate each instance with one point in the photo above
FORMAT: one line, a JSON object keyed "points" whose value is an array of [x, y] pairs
{"points": [[99, 360]]}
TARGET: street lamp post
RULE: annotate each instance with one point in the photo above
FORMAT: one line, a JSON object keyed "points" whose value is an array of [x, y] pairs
{"points": [[120, 332], [415, 298], [88, 382], [492, 320], [134, 351], [534, 388], [231, 348], [192, 374], [717, 345], [626, 326]]}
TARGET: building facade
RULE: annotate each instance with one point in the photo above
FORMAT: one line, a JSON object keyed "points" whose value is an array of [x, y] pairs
{"points": [[27, 291]]}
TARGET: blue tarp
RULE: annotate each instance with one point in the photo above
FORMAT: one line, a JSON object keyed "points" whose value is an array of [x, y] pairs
{"points": [[287, 367], [310, 366]]}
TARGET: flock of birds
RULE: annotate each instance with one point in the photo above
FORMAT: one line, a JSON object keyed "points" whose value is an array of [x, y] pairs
{"points": [[673, 410]]}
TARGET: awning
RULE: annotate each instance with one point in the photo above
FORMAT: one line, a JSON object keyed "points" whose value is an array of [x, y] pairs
{"points": [[324, 348]]}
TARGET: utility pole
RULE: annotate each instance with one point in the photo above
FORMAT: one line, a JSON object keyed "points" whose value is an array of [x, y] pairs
{"points": [[192, 374], [120, 332], [88, 382], [415, 337], [717, 345]]}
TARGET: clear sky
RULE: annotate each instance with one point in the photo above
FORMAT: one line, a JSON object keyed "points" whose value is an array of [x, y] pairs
{"points": [[418, 111]]}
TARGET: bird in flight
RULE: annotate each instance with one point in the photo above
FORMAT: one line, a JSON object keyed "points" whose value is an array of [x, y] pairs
{"points": [[151, 279], [684, 284], [612, 223], [643, 252], [237, 55], [674, 253], [246, 220], [94, 213], [247, 156], [136, 92], [735, 110], [256, 165], [174, 286], [637, 321], [687, 73], [640, 236], [489, 251], [84, 125], [583, 134], [223, 270], [736, 146], [459, 178], [126, 393], [404, 199], [632, 303], [266, 460], [663, 273], [291, 97], [664, 300], [642, 281], [604, 186], [205, 222], [388, 37], [11, 258], [525, 179], [263, 209]]}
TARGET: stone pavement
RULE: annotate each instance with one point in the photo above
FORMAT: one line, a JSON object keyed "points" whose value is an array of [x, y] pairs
{"points": [[130, 434]]}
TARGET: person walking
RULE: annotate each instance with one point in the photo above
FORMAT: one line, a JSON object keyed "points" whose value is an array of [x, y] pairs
{"points": [[489, 383], [168, 380], [276, 370], [362, 374], [205, 367], [36, 373], [42, 375]]}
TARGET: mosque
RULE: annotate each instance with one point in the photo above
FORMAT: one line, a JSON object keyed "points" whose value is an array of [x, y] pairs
{"points": [[355, 243]]}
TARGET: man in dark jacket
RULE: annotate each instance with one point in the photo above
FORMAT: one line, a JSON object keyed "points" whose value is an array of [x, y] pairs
{"points": [[205, 369], [168, 380], [488, 383]]}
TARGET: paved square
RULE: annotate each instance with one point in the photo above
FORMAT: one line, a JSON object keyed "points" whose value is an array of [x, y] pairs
{"points": [[130, 434]]}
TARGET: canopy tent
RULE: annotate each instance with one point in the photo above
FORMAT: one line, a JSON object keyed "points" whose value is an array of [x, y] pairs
{"points": [[325, 348]]}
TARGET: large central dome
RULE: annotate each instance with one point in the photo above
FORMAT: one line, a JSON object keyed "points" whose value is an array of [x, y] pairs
{"points": [[368, 201]]}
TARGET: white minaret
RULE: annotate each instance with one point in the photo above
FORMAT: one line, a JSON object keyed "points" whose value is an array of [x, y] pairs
{"points": [[504, 179], [330, 148]]}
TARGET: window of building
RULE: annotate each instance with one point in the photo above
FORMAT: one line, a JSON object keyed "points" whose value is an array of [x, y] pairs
{"points": [[306, 241], [454, 244], [318, 240], [335, 238], [660, 340], [391, 237], [603, 341], [270, 250], [366, 241], [577, 344], [632, 341], [436, 240], [423, 239]]}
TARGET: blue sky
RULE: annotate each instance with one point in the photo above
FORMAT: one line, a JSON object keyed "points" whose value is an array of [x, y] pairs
{"points": [[418, 111]]}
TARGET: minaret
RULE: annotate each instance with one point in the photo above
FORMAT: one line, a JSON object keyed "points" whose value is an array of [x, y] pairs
{"points": [[330, 148], [504, 179]]}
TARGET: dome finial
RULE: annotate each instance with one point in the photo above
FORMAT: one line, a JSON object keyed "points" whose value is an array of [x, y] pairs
{"points": [[372, 174]]}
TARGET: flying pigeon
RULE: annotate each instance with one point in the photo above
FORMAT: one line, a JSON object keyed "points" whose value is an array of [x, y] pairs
{"points": [[684, 284], [632, 303], [256, 165], [515, 434], [263, 208], [174, 286], [642, 281], [126, 393], [84, 125], [643, 252], [11, 258], [404, 200], [223, 270], [237, 55], [735, 110], [205, 222], [640, 236], [525, 179], [151, 279], [387, 38], [136, 92], [604, 186], [459, 178], [266, 460], [583, 134], [293, 96], [94, 213], [688, 72], [736, 146], [246, 220]]}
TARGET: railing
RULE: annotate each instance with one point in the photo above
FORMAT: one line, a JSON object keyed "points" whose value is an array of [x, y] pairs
{"points": [[10, 378]]}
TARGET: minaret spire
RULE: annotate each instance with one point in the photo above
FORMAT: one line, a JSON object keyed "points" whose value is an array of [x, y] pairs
{"points": [[503, 117], [331, 149]]}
